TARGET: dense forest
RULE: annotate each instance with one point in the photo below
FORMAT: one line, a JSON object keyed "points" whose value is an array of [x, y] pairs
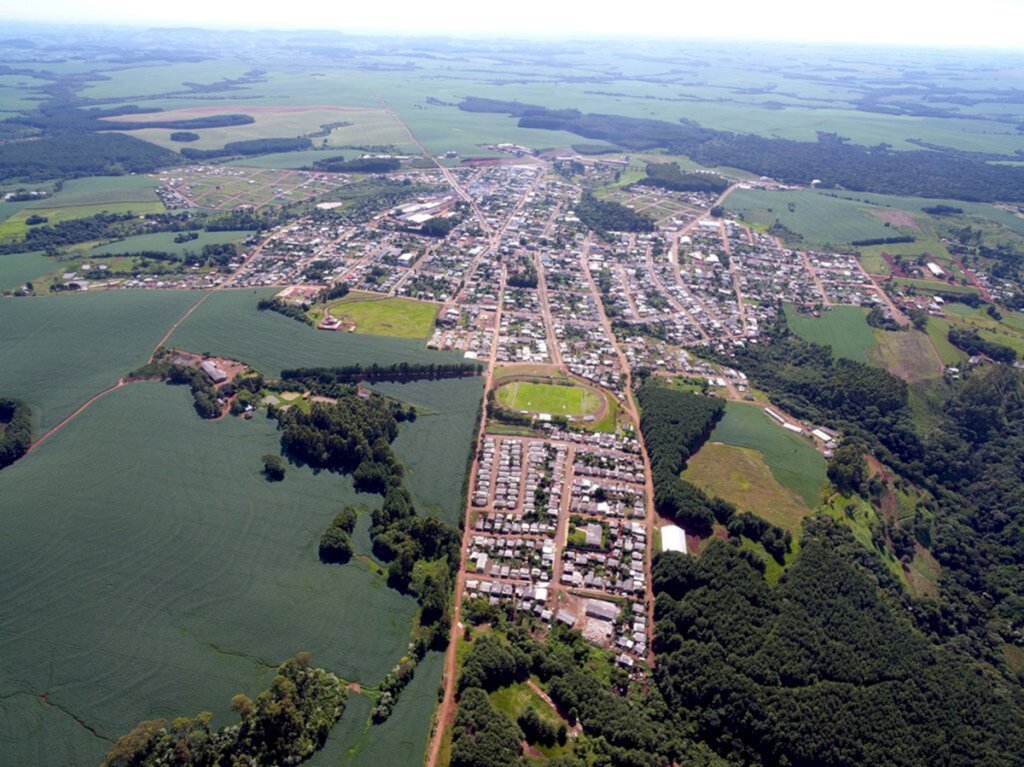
{"points": [[970, 462], [81, 154], [15, 430], [285, 724], [604, 216], [822, 670], [667, 175], [832, 160], [357, 165], [250, 147]]}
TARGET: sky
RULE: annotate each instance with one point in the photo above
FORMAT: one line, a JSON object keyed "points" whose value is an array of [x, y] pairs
{"points": [[978, 23]]}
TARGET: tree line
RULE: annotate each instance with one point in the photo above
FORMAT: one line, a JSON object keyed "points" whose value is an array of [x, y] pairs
{"points": [[15, 430], [832, 159], [604, 216], [286, 724]]}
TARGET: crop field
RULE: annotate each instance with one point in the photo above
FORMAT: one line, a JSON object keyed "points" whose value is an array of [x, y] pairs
{"points": [[793, 462], [819, 218], [164, 241], [163, 594], [908, 354], [842, 327], [58, 351], [741, 476], [435, 455], [16, 226], [270, 122], [19, 268], [229, 325], [548, 398], [395, 317]]}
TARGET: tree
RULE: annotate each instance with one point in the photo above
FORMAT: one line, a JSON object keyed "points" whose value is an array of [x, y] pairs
{"points": [[273, 467]]}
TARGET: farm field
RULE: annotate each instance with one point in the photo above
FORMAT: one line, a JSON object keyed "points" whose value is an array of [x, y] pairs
{"points": [[58, 351], [793, 462], [270, 122], [741, 476], [208, 590], [549, 398], [436, 455], [164, 241], [844, 328], [16, 226], [819, 218], [395, 317], [1009, 331], [229, 325], [401, 740], [938, 331], [19, 268]]}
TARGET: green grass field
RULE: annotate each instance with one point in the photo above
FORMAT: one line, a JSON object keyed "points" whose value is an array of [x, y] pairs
{"points": [[396, 317], [548, 398], [844, 328], [741, 476], [162, 593], [793, 462]]}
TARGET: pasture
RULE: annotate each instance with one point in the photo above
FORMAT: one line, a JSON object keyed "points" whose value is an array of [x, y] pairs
{"points": [[844, 328], [549, 398], [377, 316], [793, 462], [741, 476], [161, 593]]}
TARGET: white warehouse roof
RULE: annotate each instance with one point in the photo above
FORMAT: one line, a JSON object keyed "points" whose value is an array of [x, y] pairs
{"points": [[673, 539]]}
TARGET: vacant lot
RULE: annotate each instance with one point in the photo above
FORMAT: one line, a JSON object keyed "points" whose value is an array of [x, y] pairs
{"points": [[164, 241], [844, 328], [375, 316], [548, 398], [793, 462], [908, 354], [741, 476]]}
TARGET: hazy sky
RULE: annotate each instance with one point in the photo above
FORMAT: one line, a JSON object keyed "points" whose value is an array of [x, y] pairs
{"points": [[978, 23]]}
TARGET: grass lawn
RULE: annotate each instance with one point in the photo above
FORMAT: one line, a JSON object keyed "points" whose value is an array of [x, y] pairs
{"points": [[396, 317], [844, 328], [549, 398], [741, 476], [515, 699], [793, 462]]}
